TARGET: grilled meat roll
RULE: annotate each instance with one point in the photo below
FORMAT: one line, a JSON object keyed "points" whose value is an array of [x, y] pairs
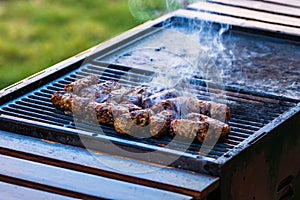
{"points": [[88, 110], [199, 126], [105, 113], [123, 124], [99, 92], [216, 127], [183, 106], [89, 87], [158, 96], [220, 112], [79, 84], [129, 95], [160, 123], [189, 129], [133, 123], [65, 100], [142, 96], [144, 122], [173, 104]]}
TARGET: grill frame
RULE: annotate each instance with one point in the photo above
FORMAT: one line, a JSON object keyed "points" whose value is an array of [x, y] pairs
{"points": [[205, 165]]}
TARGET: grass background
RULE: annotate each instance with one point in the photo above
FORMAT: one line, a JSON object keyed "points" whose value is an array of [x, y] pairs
{"points": [[35, 34]]}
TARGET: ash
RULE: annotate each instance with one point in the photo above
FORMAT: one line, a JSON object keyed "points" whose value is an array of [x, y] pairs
{"points": [[243, 60], [263, 64]]}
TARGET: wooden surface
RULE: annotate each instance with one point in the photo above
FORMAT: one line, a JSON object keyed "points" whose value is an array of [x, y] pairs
{"points": [[247, 13], [291, 3], [73, 183], [11, 192], [280, 17], [279, 9], [77, 162], [284, 31]]}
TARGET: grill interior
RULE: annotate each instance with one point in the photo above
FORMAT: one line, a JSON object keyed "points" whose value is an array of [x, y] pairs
{"points": [[250, 110]]}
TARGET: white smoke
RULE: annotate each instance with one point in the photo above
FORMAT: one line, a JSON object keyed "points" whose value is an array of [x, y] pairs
{"points": [[143, 10]]}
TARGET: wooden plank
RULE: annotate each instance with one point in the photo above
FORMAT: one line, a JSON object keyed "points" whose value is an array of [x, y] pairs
{"points": [[294, 3], [78, 182], [238, 22], [262, 6], [246, 13], [196, 185], [46, 188], [15, 192]]}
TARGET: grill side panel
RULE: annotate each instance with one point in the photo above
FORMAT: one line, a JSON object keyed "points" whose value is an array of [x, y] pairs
{"points": [[269, 167]]}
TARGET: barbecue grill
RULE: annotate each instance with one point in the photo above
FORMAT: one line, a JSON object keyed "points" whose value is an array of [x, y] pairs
{"points": [[264, 136]]}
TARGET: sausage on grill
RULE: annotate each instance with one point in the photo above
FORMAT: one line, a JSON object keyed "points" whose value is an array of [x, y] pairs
{"points": [[216, 127], [149, 101], [189, 129], [99, 92], [134, 123], [133, 95], [199, 126], [79, 84], [64, 100], [88, 110], [159, 123], [183, 106], [89, 87], [144, 122]]}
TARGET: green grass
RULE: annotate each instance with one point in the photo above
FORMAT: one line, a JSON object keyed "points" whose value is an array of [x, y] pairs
{"points": [[35, 34]]}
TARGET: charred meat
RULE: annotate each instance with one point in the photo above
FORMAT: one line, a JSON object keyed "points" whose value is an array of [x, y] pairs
{"points": [[77, 85], [89, 110], [183, 106], [133, 95], [215, 126], [142, 110], [149, 101], [99, 92], [189, 129], [160, 123], [65, 100], [133, 123]]}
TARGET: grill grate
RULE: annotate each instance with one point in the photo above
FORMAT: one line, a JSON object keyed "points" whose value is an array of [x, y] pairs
{"points": [[250, 112]]}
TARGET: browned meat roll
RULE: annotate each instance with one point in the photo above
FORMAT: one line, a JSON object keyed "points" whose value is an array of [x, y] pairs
{"points": [[106, 113], [220, 112], [173, 104], [128, 95], [89, 87], [183, 106], [123, 124], [199, 126], [133, 123], [157, 97], [65, 100], [79, 84], [159, 123], [88, 110], [189, 129], [144, 122], [99, 92], [216, 127]]}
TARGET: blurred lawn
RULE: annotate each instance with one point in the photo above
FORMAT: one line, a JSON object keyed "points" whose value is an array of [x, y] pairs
{"points": [[35, 34]]}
